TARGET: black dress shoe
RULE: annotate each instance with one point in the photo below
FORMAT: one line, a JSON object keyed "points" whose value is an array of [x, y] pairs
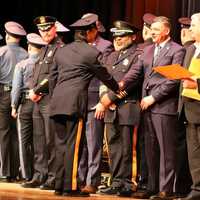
{"points": [[58, 192], [143, 194], [124, 192], [163, 196], [5, 179], [47, 186], [75, 193], [193, 195], [110, 191], [32, 184]]}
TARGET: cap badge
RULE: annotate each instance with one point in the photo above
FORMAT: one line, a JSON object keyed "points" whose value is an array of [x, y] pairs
{"points": [[42, 20], [125, 62]]}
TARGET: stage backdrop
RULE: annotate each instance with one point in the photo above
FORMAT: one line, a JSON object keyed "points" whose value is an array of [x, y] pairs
{"points": [[67, 11]]}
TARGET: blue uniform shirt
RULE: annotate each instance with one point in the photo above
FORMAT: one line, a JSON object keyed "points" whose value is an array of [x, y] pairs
{"points": [[10, 55], [23, 71]]}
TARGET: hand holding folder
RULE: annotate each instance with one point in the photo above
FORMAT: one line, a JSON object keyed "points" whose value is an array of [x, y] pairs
{"points": [[175, 71]]}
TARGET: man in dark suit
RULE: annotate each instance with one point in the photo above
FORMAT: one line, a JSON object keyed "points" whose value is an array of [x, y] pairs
{"points": [[192, 111], [122, 118], [75, 65], [90, 163], [159, 104]]}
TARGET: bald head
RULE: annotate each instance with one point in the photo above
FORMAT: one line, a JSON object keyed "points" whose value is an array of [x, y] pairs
{"points": [[195, 27]]}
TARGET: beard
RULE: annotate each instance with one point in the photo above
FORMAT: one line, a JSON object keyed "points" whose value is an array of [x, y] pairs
{"points": [[122, 46]]}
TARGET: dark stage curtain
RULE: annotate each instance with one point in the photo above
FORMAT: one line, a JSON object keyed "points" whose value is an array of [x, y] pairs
{"points": [[67, 11]]}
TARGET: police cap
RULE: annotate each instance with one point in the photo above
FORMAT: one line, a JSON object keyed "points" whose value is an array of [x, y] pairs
{"points": [[99, 25], [44, 23], [14, 29], [35, 40], [185, 22], [148, 19], [85, 22], [122, 28], [60, 27]]}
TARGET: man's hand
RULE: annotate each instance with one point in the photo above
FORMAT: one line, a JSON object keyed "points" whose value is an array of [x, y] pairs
{"points": [[121, 85], [146, 102], [14, 113], [190, 84], [100, 111], [34, 97], [105, 101]]}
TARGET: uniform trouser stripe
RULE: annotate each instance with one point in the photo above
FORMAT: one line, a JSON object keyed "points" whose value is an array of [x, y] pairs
{"points": [[20, 143], [134, 155], [76, 155], [106, 142]]}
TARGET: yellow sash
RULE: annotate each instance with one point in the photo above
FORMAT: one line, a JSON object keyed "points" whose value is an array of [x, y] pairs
{"points": [[194, 68]]}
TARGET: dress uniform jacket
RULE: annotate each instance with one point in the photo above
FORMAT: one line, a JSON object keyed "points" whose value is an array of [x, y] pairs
{"points": [[73, 79], [127, 111]]}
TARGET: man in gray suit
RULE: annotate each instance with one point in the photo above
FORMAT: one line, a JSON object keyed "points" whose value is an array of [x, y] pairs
{"points": [[159, 104], [192, 112]]}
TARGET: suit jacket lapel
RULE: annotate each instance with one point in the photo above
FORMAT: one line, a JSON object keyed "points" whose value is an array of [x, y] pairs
{"points": [[188, 56], [163, 52]]}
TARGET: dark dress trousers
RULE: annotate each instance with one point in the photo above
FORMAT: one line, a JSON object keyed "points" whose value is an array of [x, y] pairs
{"points": [[160, 119], [75, 66], [90, 163], [121, 121]]}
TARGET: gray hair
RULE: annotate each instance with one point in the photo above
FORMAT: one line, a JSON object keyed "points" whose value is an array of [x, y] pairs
{"points": [[164, 20], [196, 16]]}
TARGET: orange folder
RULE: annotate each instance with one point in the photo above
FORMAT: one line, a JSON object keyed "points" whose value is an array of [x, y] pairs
{"points": [[175, 71]]}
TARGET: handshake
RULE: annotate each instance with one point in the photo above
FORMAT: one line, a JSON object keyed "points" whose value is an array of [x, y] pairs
{"points": [[106, 99]]}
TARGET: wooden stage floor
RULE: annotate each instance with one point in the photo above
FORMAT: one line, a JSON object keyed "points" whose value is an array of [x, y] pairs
{"points": [[13, 191]]}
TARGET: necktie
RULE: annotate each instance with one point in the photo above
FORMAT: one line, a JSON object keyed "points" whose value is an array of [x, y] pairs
{"points": [[157, 54]]}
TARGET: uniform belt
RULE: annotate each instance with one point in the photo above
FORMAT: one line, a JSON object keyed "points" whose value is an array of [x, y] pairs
{"points": [[5, 87]]}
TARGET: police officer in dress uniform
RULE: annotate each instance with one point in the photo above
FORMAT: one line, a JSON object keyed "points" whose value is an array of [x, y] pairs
{"points": [[90, 163], [75, 65], [121, 118], [10, 55], [43, 133], [22, 106]]}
